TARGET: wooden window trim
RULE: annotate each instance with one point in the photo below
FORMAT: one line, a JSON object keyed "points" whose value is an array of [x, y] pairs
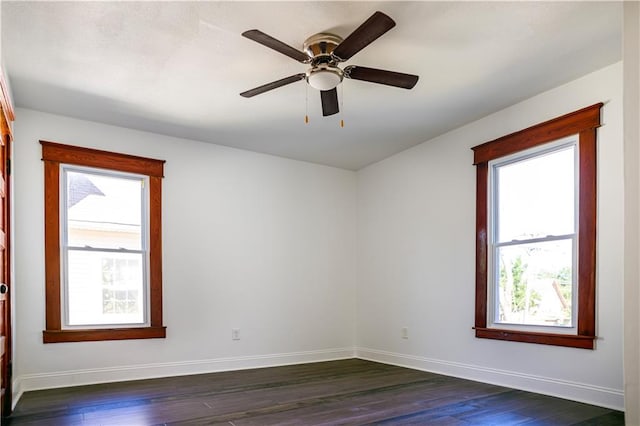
{"points": [[583, 122], [7, 115], [55, 154]]}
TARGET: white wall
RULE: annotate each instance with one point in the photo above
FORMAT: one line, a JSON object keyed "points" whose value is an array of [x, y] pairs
{"points": [[632, 212], [251, 241], [416, 256]]}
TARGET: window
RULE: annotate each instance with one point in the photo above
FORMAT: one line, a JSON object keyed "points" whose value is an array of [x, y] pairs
{"points": [[102, 245], [535, 233], [532, 237]]}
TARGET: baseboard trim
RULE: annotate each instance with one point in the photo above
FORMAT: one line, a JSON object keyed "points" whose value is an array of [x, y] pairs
{"points": [[62, 379], [582, 392], [605, 397]]}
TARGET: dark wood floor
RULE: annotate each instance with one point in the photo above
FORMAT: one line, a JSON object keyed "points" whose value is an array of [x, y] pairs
{"points": [[352, 392]]}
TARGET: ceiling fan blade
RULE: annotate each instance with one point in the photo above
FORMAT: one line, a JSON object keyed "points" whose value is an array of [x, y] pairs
{"points": [[371, 29], [373, 75], [329, 100], [272, 43], [273, 85]]}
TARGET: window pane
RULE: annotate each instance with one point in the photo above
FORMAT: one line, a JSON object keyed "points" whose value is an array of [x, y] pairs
{"points": [[535, 197], [105, 288], [103, 211], [535, 283]]}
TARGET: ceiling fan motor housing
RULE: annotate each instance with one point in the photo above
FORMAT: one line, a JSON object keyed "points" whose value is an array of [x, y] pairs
{"points": [[324, 73], [320, 46]]}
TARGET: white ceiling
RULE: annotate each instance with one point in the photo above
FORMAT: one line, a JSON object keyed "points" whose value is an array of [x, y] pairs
{"points": [[177, 68]]}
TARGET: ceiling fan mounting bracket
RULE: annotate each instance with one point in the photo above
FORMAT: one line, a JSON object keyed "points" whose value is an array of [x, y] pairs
{"points": [[320, 47]]}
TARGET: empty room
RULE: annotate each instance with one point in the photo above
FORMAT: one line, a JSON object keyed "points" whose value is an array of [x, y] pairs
{"points": [[304, 213]]}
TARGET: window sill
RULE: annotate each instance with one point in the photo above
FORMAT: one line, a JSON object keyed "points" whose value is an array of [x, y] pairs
{"points": [[100, 334], [568, 340]]}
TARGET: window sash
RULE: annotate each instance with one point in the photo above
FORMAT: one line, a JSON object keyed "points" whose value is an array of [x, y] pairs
{"points": [[493, 312], [65, 293]]}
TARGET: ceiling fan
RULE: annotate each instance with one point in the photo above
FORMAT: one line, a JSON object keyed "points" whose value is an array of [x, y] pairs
{"points": [[323, 52]]}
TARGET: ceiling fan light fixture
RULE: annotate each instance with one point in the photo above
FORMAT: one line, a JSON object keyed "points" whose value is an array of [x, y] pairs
{"points": [[324, 77]]}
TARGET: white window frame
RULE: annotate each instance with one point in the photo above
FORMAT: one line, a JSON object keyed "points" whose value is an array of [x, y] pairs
{"points": [[493, 268], [64, 246]]}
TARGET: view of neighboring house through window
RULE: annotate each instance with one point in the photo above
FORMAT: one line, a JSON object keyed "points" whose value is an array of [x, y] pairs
{"points": [[105, 248], [533, 236]]}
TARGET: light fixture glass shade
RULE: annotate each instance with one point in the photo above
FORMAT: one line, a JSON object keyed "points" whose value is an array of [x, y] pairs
{"points": [[324, 79]]}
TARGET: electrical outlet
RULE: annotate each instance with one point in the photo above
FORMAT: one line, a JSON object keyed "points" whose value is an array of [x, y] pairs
{"points": [[404, 333], [235, 334]]}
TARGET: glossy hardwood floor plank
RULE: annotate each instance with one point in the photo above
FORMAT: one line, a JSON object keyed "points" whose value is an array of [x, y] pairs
{"points": [[357, 407], [350, 392]]}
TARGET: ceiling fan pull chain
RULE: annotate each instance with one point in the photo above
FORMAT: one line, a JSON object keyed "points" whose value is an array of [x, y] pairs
{"points": [[306, 104], [341, 106]]}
